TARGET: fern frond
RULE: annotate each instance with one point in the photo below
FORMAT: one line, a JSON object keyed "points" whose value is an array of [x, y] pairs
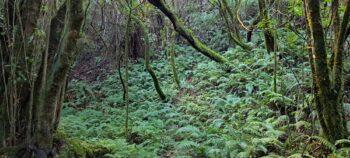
{"points": [[342, 141], [186, 144], [300, 124], [252, 131], [271, 141], [188, 129], [325, 143], [299, 155]]}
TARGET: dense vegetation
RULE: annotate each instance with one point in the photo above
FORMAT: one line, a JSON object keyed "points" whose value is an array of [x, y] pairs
{"points": [[174, 78]]}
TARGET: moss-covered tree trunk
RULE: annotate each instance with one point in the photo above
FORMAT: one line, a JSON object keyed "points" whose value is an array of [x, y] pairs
{"points": [[187, 33], [58, 73], [34, 102], [328, 82], [148, 58], [172, 53], [172, 60], [264, 17]]}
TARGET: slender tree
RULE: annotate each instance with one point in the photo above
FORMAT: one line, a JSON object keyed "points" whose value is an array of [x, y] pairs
{"points": [[172, 59], [172, 53], [148, 58], [126, 64]]}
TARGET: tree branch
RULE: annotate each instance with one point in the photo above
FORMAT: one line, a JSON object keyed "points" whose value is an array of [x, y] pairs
{"points": [[187, 33]]}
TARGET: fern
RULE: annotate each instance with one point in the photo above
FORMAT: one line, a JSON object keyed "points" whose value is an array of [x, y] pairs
{"points": [[192, 130], [186, 144], [341, 142], [298, 155], [303, 124], [219, 111], [325, 143]]}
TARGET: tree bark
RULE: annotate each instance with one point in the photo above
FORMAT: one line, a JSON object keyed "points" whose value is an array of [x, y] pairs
{"points": [[17, 48], [56, 29], [269, 37], [56, 79], [32, 104], [329, 96]]}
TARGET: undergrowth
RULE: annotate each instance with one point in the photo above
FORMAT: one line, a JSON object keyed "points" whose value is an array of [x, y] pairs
{"points": [[219, 111]]}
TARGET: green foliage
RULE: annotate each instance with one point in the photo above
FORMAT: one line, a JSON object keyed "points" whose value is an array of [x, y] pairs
{"points": [[325, 143], [220, 111]]}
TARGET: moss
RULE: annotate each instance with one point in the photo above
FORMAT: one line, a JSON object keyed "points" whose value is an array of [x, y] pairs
{"points": [[328, 97], [172, 60], [59, 71], [76, 148], [187, 33]]}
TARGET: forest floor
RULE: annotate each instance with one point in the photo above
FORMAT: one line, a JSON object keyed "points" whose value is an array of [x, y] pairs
{"points": [[218, 111]]}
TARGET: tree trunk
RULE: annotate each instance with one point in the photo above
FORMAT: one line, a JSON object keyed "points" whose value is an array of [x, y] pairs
{"points": [[329, 94], [252, 27], [36, 98], [148, 57], [172, 59], [56, 78], [172, 54], [269, 37], [126, 82], [18, 75]]}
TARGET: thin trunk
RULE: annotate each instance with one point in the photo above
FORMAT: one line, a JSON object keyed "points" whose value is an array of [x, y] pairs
{"points": [[163, 39], [119, 58], [59, 108], [338, 52], [269, 38], [252, 27], [172, 60], [126, 83], [172, 54], [3, 83], [275, 49], [233, 17], [148, 58], [275, 65], [17, 92]]}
